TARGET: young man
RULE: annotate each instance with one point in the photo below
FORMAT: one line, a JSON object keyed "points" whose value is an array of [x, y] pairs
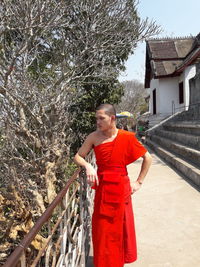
{"points": [[113, 231]]}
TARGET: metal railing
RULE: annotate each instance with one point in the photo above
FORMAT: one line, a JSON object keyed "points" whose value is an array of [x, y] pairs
{"points": [[192, 111], [63, 230]]}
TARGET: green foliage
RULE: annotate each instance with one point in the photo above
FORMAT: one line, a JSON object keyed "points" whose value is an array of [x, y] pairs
{"points": [[133, 99], [59, 61], [71, 168], [144, 107], [83, 110]]}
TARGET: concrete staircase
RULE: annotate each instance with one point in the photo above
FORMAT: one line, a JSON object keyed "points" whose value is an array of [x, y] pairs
{"points": [[156, 119], [178, 142]]}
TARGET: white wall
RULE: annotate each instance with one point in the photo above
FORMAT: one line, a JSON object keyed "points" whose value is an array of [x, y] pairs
{"points": [[169, 94], [167, 90], [154, 84], [188, 73]]}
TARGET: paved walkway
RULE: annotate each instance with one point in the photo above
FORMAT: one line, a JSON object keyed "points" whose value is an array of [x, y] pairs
{"points": [[167, 218]]}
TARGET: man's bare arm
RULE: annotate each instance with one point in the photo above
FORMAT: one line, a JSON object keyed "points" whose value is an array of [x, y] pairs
{"points": [[79, 159], [147, 159]]}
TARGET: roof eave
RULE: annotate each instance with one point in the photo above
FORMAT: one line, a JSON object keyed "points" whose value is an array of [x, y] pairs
{"points": [[188, 61], [167, 75]]}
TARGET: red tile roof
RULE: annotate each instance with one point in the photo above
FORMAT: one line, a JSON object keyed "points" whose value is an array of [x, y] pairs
{"points": [[162, 49], [165, 56]]}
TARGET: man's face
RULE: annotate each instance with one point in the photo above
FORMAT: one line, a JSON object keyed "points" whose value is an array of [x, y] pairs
{"points": [[104, 121]]}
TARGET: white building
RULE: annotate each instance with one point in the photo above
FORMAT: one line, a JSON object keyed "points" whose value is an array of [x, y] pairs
{"points": [[170, 64]]}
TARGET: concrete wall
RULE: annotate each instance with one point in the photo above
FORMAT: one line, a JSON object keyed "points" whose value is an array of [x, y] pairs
{"points": [[169, 94], [195, 87], [188, 73], [166, 91]]}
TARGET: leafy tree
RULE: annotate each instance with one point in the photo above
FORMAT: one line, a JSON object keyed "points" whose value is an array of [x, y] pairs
{"points": [[107, 33], [59, 59], [133, 99]]}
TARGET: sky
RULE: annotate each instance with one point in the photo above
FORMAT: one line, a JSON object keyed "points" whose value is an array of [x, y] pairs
{"points": [[177, 18]]}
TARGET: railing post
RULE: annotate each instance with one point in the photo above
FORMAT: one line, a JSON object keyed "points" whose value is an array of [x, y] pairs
{"points": [[23, 259], [82, 241]]}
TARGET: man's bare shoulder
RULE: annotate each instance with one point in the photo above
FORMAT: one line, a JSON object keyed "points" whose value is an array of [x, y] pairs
{"points": [[93, 134], [92, 137]]}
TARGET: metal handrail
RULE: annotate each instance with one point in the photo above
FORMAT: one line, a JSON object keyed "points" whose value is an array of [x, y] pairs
{"points": [[74, 222], [184, 107]]}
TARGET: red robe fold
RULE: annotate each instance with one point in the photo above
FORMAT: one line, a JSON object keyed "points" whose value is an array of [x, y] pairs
{"points": [[113, 231]]}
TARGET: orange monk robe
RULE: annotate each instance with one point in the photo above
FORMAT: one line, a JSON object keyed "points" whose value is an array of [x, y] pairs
{"points": [[113, 231]]}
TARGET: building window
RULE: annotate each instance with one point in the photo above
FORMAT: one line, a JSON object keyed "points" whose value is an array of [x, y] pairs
{"points": [[181, 93]]}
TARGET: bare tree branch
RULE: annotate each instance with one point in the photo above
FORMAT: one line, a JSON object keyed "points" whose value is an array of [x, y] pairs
{"points": [[52, 53]]}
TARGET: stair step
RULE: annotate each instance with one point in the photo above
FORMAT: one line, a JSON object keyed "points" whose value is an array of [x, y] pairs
{"points": [[183, 138], [156, 119], [187, 169], [190, 154], [188, 127]]}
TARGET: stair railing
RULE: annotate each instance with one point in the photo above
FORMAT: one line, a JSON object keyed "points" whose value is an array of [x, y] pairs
{"points": [[63, 230]]}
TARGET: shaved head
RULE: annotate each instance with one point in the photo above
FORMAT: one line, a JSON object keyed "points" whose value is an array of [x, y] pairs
{"points": [[108, 108]]}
